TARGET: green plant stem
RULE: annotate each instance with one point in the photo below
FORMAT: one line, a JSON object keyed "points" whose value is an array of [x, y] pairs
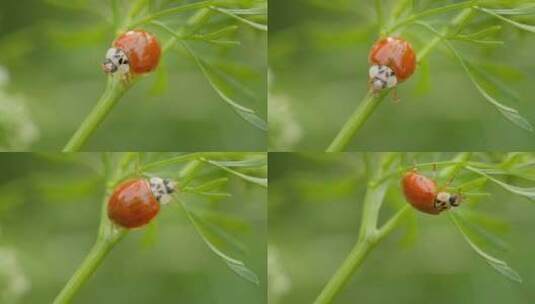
{"points": [[115, 89], [344, 273], [369, 103], [108, 236], [101, 248], [369, 235], [364, 110]]}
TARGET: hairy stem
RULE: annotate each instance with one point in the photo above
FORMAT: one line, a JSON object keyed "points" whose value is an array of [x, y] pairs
{"points": [[369, 103], [115, 89]]}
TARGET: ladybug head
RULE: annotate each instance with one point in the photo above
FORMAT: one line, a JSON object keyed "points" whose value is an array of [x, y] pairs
{"points": [[162, 188], [116, 61], [382, 77], [446, 200]]}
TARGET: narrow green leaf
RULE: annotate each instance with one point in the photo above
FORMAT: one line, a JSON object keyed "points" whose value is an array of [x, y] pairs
{"points": [[215, 195], [226, 221], [136, 8], [443, 9], [517, 119], [212, 185], [246, 163], [476, 183], [477, 41], [528, 192], [172, 11], [229, 13], [495, 83], [171, 161], [248, 11], [221, 32], [494, 262], [510, 113], [253, 179], [492, 223], [401, 7], [431, 12], [209, 237], [221, 236], [480, 234], [523, 10], [522, 26], [484, 32], [248, 114], [227, 43]]}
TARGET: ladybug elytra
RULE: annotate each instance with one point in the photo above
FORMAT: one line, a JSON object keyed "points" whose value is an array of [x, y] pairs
{"points": [[135, 52], [136, 202], [421, 192], [392, 61]]}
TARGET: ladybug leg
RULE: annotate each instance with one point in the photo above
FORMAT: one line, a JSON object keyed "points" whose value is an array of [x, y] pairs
{"points": [[395, 96]]}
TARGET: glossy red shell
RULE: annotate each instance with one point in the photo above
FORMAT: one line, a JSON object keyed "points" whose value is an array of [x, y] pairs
{"points": [[132, 204], [420, 191], [395, 53], [141, 48]]}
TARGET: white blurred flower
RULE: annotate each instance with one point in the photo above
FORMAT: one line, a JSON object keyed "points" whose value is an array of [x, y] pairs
{"points": [[279, 282], [13, 282], [284, 131], [17, 129]]}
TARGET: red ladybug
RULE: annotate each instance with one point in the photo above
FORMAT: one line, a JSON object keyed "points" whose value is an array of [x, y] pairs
{"points": [[392, 60], [135, 202], [134, 52], [421, 192]]}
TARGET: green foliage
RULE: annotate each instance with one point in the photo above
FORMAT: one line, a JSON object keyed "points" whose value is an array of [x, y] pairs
{"points": [[309, 50], [308, 197], [71, 49], [62, 193]]}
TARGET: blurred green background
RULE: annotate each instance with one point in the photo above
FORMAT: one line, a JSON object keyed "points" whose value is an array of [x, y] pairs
{"points": [[318, 60], [50, 78], [314, 217], [49, 215]]}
